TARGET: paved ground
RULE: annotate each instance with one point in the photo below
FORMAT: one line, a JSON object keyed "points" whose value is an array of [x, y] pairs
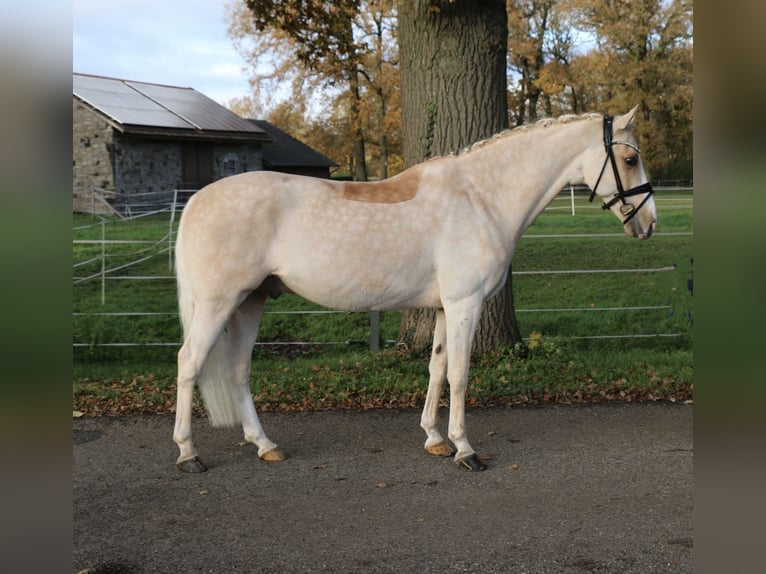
{"points": [[604, 489]]}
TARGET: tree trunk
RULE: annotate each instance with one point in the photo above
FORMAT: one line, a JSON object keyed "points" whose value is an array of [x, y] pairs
{"points": [[453, 81], [383, 140], [360, 161]]}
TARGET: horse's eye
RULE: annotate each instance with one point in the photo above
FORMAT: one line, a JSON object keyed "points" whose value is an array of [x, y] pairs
{"points": [[631, 161]]}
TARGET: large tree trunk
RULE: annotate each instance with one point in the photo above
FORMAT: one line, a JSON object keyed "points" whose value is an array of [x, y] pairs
{"points": [[453, 81]]}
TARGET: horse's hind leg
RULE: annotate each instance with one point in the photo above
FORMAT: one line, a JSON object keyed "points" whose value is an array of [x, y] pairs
{"points": [[203, 333], [437, 370], [243, 331]]}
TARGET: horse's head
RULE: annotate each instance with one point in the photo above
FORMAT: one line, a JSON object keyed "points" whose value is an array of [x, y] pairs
{"points": [[616, 174]]}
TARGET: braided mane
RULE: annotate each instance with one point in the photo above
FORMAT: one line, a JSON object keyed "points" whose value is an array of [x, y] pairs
{"points": [[524, 128]]}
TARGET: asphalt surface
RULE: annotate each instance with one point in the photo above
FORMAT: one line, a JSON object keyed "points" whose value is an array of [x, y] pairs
{"points": [[569, 489]]}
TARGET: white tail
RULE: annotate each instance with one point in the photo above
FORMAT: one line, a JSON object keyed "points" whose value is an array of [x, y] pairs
{"points": [[217, 386], [216, 380]]}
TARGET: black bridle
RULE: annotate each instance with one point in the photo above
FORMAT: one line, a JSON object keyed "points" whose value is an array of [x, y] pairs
{"points": [[627, 209]]}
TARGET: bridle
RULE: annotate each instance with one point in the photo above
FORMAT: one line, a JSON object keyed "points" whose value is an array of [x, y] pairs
{"points": [[627, 209]]}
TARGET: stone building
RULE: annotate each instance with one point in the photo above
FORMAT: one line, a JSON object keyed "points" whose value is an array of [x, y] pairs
{"points": [[135, 144]]}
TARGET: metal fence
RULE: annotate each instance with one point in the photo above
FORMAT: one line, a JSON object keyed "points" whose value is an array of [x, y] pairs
{"points": [[163, 247]]}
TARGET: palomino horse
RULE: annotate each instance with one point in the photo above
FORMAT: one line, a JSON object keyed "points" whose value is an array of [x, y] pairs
{"points": [[438, 235]]}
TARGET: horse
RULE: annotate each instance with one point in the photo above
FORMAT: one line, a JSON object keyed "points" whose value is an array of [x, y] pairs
{"points": [[439, 235]]}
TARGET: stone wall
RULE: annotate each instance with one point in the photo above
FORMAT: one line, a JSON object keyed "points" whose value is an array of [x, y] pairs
{"points": [[150, 170], [146, 170], [230, 159], [92, 167]]}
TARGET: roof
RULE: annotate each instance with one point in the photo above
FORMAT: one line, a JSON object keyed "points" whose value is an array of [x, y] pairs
{"points": [[154, 109], [286, 151]]}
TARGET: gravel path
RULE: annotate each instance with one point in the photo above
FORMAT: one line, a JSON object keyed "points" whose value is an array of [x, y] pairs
{"points": [[605, 488]]}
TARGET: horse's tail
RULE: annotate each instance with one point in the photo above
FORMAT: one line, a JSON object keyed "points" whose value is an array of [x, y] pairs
{"points": [[216, 379]]}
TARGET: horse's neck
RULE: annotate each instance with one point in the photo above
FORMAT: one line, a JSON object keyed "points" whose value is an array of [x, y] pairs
{"points": [[529, 169]]}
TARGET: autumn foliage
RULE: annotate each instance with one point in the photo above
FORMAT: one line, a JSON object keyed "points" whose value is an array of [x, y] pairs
{"points": [[328, 72]]}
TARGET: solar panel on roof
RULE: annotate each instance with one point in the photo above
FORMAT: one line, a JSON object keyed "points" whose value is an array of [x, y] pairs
{"points": [[155, 105], [124, 104]]}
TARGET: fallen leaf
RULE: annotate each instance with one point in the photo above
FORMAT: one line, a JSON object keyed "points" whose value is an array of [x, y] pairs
{"points": [[77, 414], [513, 467]]}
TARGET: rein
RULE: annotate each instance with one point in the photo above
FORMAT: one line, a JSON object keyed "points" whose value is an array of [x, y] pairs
{"points": [[627, 209]]}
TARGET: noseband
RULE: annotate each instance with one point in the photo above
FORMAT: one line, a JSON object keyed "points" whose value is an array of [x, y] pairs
{"points": [[627, 209]]}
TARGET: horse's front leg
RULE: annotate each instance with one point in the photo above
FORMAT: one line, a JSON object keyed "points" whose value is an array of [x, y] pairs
{"points": [[462, 319], [437, 370]]}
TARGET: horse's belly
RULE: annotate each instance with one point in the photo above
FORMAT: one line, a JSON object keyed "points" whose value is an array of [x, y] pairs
{"points": [[362, 289]]}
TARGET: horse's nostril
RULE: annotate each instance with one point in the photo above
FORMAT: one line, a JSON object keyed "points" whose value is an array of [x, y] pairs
{"points": [[648, 233]]}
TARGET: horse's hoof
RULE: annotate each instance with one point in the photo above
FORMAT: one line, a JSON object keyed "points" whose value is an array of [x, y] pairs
{"points": [[191, 465], [273, 455], [471, 463], [440, 449]]}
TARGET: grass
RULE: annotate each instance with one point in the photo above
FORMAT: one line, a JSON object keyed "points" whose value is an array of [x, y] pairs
{"points": [[563, 365]]}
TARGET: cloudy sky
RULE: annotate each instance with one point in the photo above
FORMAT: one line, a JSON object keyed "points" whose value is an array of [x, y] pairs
{"points": [[175, 42]]}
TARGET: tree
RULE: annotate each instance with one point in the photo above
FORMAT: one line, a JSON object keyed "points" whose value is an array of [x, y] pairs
{"points": [[541, 48], [322, 37], [453, 64], [644, 57], [343, 46], [528, 28], [380, 69]]}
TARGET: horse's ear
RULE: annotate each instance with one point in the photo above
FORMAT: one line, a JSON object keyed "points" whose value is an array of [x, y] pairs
{"points": [[626, 121]]}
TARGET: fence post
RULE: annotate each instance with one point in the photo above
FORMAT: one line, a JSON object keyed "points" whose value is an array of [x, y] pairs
{"points": [[571, 195], [170, 231], [103, 262], [375, 331]]}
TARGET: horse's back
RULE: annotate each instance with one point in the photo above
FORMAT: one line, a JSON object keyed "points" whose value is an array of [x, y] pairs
{"points": [[251, 189]]}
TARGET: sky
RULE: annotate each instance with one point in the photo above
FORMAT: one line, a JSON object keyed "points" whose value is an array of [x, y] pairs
{"points": [[175, 42]]}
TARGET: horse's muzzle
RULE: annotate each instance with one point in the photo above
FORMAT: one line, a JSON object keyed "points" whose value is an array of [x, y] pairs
{"points": [[634, 229]]}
